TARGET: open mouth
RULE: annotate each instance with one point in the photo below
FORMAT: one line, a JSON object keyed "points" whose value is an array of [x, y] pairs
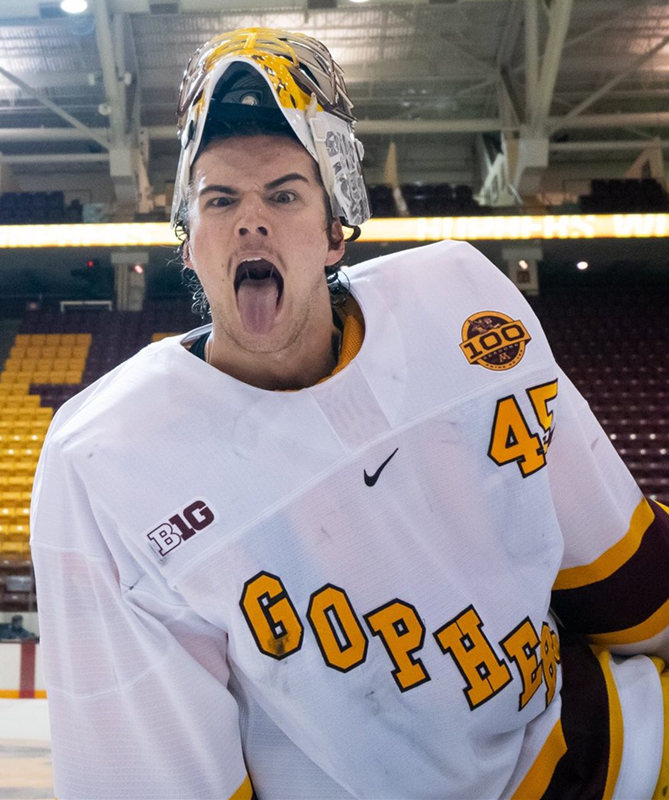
{"points": [[258, 273], [258, 289]]}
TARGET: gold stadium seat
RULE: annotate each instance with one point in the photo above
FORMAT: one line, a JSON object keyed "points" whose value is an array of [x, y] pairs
{"points": [[19, 351], [13, 376], [22, 482], [19, 401], [17, 413], [10, 438], [11, 392], [28, 365], [16, 548], [17, 426], [14, 386], [13, 498], [19, 531]]}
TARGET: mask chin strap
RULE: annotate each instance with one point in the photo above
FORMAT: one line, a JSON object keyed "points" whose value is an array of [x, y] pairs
{"points": [[319, 132]]}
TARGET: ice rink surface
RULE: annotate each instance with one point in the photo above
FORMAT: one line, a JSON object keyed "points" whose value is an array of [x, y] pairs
{"points": [[25, 750]]}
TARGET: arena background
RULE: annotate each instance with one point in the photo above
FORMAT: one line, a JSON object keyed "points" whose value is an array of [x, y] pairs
{"points": [[537, 129]]}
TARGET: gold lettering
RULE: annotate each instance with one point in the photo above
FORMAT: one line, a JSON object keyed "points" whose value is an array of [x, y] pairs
{"points": [[270, 614], [402, 633], [484, 673], [521, 647], [340, 637]]}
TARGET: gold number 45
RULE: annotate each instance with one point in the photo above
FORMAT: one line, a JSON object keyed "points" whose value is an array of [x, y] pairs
{"points": [[512, 439]]}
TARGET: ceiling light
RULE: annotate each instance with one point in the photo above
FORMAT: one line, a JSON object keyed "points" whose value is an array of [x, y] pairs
{"points": [[582, 265], [74, 6]]}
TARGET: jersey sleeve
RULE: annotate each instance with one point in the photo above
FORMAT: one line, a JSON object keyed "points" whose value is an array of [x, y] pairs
{"points": [[136, 681], [613, 584]]}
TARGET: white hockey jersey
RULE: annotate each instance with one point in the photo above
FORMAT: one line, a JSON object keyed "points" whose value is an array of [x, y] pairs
{"points": [[376, 587]]}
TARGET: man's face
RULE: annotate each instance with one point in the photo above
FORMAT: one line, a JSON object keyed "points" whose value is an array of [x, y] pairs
{"points": [[258, 242]]}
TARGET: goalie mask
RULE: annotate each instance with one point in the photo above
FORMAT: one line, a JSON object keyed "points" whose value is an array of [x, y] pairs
{"points": [[277, 81]]}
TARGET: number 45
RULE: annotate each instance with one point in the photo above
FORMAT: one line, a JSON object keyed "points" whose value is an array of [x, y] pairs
{"points": [[511, 438]]}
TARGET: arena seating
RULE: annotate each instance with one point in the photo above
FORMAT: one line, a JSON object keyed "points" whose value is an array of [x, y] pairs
{"points": [[53, 357], [426, 199], [36, 360], [610, 344]]}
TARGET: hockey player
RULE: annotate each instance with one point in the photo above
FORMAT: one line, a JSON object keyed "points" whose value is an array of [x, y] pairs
{"points": [[375, 549]]}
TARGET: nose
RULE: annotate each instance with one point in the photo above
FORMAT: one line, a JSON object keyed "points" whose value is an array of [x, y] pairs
{"points": [[252, 218], [244, 230]]}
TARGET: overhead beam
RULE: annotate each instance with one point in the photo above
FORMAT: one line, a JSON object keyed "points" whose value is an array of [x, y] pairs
{"points": [[89, 133], [511, 33], [605, 88], [371, 127], [570, 42], [626, 145], [128, 151], [531, 57], [50, 80], [55, 158], [559, 23], [635, 8], [110, 76]]}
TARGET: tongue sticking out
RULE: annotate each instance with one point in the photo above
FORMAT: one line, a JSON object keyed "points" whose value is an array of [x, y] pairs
{"points": [[257, 300]]}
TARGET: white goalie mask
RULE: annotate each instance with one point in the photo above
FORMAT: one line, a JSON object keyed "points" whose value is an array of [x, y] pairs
{"points": [[277, 80]]}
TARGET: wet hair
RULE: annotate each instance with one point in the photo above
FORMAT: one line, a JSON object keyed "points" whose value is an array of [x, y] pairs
{"points": [[337, 282]]}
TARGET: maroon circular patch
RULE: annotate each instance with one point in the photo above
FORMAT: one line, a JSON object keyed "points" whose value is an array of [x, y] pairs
{"points": [[493, 340]]}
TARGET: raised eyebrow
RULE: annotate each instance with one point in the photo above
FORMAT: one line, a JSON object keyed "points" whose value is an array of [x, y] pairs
{"points": [[292, 176], [218, 188]]}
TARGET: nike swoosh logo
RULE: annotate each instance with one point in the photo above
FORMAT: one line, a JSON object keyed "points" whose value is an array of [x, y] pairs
{"points": [[370, 480]]}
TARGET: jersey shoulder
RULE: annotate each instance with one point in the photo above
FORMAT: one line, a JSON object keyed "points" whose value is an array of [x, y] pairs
{"points": [[126, 394], [447, 271]]}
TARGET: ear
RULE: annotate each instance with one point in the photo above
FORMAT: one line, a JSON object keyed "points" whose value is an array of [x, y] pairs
{"points": [[337, 243], [186, 256]]}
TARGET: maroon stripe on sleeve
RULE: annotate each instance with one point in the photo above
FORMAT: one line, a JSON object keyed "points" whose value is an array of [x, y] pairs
{"points": [[630, 595], [581, 772]]}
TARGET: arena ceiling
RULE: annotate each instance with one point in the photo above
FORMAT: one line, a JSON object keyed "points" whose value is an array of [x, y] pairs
{"points": [[524, 100]]}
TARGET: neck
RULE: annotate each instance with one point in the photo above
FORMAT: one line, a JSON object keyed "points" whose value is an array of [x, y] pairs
{"points": [[305, 363]]}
